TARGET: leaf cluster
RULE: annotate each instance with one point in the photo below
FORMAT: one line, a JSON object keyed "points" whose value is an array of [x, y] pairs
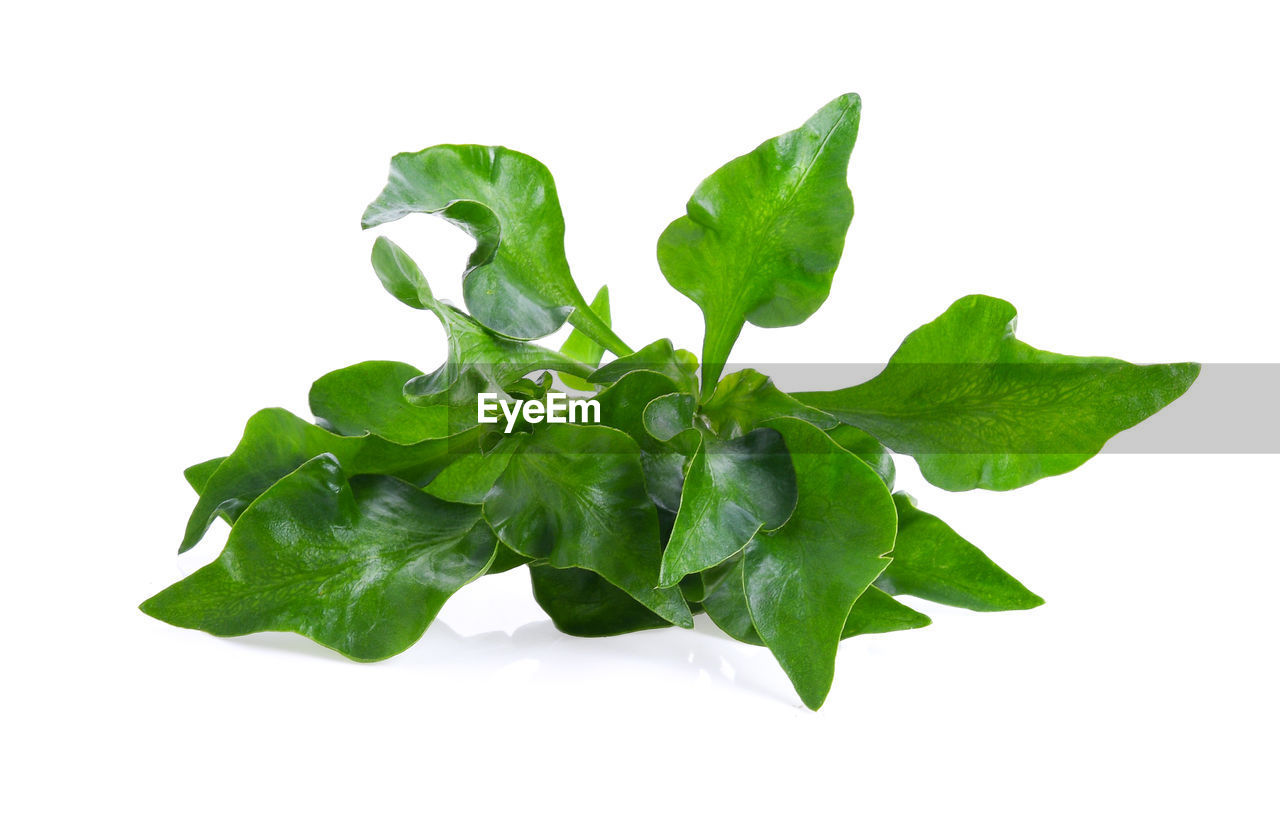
{"points": [[773, 513]]}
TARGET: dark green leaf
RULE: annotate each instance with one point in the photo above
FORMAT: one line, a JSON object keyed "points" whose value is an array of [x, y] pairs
{"points": [[762, 236], [582, 603], [725, 602], [517, 280], [733, 489], [802, 579], [582, 348], [361, 567], [932, 561], [977, 407], [369, 398], [623, 406], [276, 442], [506, 559], [670, 416], [873, 613], [575, 496]]}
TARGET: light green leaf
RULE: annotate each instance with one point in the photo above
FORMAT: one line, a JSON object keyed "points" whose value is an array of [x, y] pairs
{"points": [[401, 276], [977, 407], [867, 448], [362, 567], [198, 475], [574, 495], [733, 489], [369, 398], [276, 442], [468, 479], [932, 561], [762, 236], [802, 579], [517, 282], [580, 347]]}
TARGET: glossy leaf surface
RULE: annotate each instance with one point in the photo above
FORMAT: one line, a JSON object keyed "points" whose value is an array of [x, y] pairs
{"points": [[275, 442], [932, 561], [575, 496], [802, 579], [659, 357], [875, 612], [582, 603], [469, 478], [623, 405], [976, 407], [733, 489], [369, 398], [517, 282], [745, 399], [361, 567], [762, 236], [478, 360]]}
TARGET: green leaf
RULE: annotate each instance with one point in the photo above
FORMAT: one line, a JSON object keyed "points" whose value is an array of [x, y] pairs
{"points": [[198, 475], [732, 491], [725, 602], [582, 603], [802, 579], [401, 276], [506, 559], [517, 282], [575, 496], [867, 448], [977, 407], [876, 613], [478, 360], [671, 416], [745, 399], [623, 406], [582, 348], [469, 479], [361, 567], [659, 357], [369, 398], [932, 561], [873, 613], [276, 442], [762, 236]]}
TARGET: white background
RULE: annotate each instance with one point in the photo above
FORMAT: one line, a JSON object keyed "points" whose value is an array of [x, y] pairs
{"points": [[181, 190]]}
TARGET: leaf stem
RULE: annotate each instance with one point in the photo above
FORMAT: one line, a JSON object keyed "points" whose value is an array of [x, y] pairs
{"points": [[592, 326]]}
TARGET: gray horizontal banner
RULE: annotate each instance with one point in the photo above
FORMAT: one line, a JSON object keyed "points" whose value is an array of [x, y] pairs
{"points": [[1230, 408]]}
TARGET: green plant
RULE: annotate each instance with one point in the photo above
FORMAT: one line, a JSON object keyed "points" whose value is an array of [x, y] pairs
{"points": [[773, 513]]}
